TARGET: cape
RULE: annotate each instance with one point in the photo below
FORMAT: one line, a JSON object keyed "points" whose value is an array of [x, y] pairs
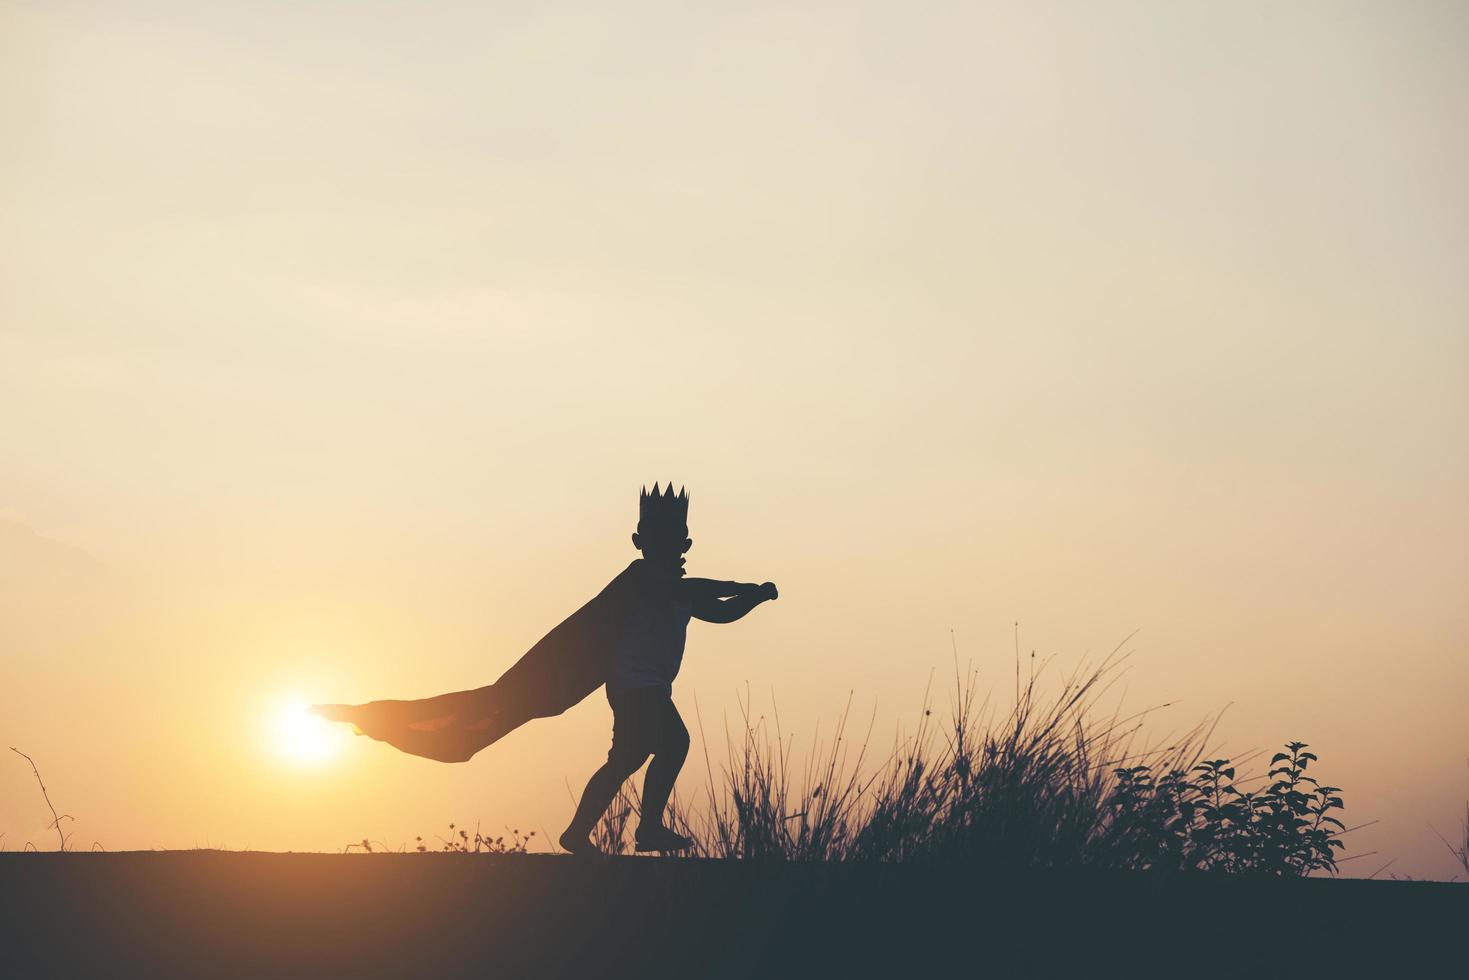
{"points": [[565, 666]]}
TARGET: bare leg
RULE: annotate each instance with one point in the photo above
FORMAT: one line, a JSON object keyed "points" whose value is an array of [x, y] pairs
{"points": [[668, 758], [658, 783], [597, 797]]}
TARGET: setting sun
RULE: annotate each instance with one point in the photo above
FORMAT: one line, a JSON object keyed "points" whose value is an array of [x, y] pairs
{"points": [[301, 737]]}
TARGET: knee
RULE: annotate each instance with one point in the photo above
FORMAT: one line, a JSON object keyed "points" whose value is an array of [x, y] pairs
{"points": [[624, 762], [676, 742]]}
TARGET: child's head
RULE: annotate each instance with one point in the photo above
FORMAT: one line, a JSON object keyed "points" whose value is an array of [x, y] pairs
{"points": [[663, 528]]}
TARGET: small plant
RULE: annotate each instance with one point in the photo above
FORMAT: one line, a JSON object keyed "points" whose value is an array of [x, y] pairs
{"points": [[460, 841], [62, 837], [1200, 820]]}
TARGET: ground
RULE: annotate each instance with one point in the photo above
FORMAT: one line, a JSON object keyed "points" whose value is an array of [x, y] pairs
{"points": [[225, 914]]}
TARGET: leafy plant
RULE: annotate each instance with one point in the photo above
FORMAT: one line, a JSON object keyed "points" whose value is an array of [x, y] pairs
{"points": [[1201, 820]]}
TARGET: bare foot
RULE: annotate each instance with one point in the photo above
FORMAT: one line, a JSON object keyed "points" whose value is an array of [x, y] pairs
{"points": [[575, 843], [661, 839]]}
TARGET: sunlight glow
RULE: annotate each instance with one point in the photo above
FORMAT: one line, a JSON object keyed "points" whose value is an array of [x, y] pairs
{"points": [[301, 737]]}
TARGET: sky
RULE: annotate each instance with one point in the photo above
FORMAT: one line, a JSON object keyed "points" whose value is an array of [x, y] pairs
{"points": [[336, 341]]}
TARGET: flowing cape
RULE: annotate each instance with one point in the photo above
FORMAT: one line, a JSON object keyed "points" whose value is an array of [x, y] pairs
{"points": [[566, 665]]}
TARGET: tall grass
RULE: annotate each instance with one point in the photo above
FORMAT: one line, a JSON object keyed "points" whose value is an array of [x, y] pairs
{"points": [[1053, 781], [1459, 850]]}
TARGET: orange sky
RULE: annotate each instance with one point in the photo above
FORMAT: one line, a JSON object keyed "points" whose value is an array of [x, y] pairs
{"points": [[336, 340]]}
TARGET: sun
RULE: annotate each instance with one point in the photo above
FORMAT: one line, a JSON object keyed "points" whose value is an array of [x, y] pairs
{"points": [[301, 737]]}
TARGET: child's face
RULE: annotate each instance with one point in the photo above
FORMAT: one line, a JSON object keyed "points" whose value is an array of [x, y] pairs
{"points": [[664, 548]]}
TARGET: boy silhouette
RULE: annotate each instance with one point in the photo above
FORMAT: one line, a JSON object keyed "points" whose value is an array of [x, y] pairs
{"points": [[630, 637], [646, 651]]}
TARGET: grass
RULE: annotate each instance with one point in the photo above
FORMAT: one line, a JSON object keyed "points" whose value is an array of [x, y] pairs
{"points": [[1052, 782], [1460, 851]]}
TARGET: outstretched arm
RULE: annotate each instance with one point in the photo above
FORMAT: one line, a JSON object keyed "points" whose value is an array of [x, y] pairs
{"points": [[696, 589], [714, 609]]}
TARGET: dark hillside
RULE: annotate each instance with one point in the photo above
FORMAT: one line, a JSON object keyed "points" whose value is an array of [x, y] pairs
{"points": [[222, 914]]}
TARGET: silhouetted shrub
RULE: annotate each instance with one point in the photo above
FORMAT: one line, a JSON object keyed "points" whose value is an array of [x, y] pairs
{"points": [[1201, 820], [1051, 783]]}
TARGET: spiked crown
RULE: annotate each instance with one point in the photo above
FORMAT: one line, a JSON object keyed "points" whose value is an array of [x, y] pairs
{"points": [[663, 510]]}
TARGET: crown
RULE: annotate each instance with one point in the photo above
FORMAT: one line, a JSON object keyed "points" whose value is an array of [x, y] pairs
{"points": [[663, 509]]}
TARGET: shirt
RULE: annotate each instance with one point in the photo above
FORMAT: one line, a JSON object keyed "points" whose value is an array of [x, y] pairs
{"points": [[648, 648]]}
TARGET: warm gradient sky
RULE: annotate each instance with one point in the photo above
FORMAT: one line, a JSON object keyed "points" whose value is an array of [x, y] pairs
{"points": [[337, 338]]}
